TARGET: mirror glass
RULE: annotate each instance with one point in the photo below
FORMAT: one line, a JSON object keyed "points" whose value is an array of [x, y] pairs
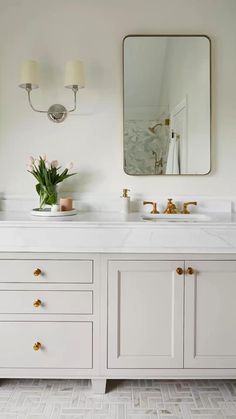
{"points": [[166, 105]]}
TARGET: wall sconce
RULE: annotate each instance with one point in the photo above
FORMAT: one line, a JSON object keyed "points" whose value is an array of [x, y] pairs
{"points": [[74, 80]]}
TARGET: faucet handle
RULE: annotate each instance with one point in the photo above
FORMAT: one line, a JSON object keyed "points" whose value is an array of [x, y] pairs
{"points": [[185, 207], [154, 206]]}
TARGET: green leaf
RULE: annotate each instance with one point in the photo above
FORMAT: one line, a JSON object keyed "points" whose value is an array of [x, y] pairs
{"points": [[38, 188]]}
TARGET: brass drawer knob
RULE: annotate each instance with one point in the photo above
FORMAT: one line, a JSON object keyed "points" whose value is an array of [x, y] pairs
{"points": [[37, 272], [37, 303], [190, 271], [37, 346], [179, 271]]}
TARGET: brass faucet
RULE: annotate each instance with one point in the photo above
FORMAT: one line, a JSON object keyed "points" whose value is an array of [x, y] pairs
{"points": [[171, 207], [154, 206], [185, 207]]}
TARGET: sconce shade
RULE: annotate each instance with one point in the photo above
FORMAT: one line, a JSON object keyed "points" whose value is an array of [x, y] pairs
{"points": [[29, 74], [74, 75]]}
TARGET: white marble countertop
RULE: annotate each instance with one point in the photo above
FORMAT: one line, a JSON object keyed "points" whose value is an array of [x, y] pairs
{"points": [[109, 219], [115, 233]]}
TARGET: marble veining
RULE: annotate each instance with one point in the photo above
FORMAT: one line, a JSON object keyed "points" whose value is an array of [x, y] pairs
{"points": [[128, 399], [140, 146]]}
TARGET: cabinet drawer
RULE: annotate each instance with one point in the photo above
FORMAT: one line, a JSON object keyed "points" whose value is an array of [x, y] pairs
{"points": [[46, 271], [63, 344], [46, 302]]}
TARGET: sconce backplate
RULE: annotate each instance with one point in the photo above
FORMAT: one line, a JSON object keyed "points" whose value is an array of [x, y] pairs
{"points": [[57, 113]]}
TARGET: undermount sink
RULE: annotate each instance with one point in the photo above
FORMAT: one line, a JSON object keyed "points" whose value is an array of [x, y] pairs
{"points": [[176, 217]]}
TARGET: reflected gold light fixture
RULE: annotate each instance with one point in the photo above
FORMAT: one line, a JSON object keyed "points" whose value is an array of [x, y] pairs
{"points": [[74, 80]]}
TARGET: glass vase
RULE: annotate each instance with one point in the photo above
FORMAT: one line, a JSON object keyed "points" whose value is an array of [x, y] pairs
{"points": [[47, 195]]}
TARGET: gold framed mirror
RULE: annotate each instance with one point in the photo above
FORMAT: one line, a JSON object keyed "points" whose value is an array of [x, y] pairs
{"points": [[167, 104]]}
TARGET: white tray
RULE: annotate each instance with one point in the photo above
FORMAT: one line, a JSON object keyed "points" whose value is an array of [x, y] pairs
{"points": [[46, 212]]}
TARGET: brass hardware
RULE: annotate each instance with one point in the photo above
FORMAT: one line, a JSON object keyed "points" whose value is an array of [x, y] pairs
{"points": [[166, 123], [190, 271], [154, 206], [185, 207], [171, 207], [37, 272], [37, 346], [157, 164], [179, 271], [37, 303], [125, 193]]}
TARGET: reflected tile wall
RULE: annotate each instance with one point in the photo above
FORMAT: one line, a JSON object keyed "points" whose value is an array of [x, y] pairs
{"points": [[142, 147]]}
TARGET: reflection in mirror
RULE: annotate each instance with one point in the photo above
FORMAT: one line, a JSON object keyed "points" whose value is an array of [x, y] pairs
{"points": [[166, 105]]}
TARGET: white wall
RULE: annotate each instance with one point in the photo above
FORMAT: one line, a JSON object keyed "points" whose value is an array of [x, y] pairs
{"points": [[92, 30], [144, 60]]}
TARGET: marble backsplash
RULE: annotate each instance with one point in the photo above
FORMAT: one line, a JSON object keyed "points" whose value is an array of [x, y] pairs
{"points": [[143, 149], [97, 202]]}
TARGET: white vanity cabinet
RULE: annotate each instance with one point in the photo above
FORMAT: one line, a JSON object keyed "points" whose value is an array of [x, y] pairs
{"points": [[145, 314], [210, 315], [49, 315], [174, 316], [100, 316]]}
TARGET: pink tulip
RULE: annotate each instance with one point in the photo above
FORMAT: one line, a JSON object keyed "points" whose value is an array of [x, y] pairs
{"points": [[54, 163], [69, 166], [30, 160], [48, 165], [36, 163], [29, 167], [44, 157]]}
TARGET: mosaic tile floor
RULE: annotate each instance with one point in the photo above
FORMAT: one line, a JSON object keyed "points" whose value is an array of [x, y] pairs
{"points": [[130, 399]]}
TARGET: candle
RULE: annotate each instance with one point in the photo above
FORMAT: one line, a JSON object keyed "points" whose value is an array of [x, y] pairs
{"points": [[29, 74], [74, 75], [66, 204]]}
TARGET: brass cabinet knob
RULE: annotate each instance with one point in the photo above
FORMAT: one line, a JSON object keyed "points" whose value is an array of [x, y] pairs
{"points": [[37, 272], [179, 271], [37, 346], [37, 303], [190, 271]]}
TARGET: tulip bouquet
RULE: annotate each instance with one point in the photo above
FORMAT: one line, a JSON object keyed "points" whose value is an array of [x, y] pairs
{"points": [[48, 175]]}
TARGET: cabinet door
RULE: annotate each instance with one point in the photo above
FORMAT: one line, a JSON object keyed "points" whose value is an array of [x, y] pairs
{"points": [[210, 315], [145, 314]]}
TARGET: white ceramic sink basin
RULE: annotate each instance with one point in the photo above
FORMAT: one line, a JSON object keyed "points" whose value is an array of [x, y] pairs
{"points": [[176, 217]]}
